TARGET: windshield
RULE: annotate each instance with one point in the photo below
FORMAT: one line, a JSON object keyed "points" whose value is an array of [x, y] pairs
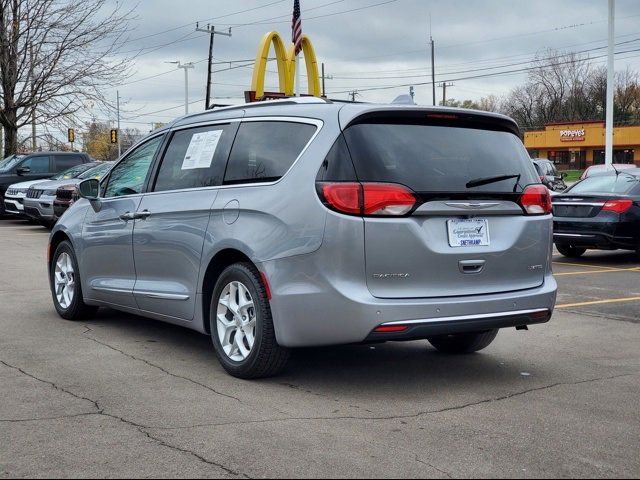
{"points": [[621, 184], [429, 158], [10, 162], [73, 172], [96, 172]]}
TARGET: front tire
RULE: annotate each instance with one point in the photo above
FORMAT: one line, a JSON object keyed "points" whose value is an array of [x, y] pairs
{"points": [[462, 343], [570, 251], [66, 288], [241, 325]]}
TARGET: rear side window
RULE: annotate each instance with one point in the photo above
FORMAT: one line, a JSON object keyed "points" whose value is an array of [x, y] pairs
{"points": [[67, 161], [337, 167], [264, 151], [434, 158], [195, 158]]}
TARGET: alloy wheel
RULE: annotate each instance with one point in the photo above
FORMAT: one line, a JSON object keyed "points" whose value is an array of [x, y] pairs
{"points": [[236, 321], [65, 281]]}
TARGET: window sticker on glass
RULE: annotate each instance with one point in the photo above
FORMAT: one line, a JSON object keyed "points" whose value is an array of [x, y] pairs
{"points": [[201, 150]]}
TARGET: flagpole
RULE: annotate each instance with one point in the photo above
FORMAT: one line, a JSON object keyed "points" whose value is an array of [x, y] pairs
{"points": [[298, 89]]}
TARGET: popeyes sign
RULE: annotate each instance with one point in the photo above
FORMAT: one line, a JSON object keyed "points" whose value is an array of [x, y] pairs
{"points": [[572, 135]]}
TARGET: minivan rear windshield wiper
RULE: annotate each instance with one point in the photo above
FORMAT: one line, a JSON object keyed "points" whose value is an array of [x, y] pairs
{"points": [[479, 182]]}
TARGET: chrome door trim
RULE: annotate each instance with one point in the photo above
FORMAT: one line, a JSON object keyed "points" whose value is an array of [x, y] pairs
{"points": [[572, 235], [111, 290], [162, 296], [467, 317]]}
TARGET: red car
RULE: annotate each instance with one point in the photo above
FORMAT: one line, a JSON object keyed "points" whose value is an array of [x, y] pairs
{"points": [[65, 197]]}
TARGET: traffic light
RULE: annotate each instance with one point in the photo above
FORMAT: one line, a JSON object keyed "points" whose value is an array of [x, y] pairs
{"points": [[114, 136], [72, 135]]}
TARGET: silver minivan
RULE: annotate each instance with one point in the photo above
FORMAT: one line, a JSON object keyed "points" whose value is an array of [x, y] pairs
{"points": [[305, 222]]}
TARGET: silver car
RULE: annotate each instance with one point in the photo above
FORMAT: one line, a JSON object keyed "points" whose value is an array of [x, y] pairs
{"points": [[300, 223], [38, 202]]}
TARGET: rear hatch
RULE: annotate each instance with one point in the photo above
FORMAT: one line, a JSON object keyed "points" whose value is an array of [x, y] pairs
{"points": [[459, 239]]}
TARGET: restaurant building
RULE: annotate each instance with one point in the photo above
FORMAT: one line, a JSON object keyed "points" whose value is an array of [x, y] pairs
{"points": [[578, 145]]}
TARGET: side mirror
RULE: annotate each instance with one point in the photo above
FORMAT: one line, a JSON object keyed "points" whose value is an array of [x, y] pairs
{"points": [[23, 171], [90, 189]]}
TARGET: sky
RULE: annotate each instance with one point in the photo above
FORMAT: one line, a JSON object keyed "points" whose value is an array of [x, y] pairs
{"points": [[366, 45]]}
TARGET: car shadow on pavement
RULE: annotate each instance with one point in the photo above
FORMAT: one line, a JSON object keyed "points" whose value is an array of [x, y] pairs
{"points": [[413, 367], [602, 258]]}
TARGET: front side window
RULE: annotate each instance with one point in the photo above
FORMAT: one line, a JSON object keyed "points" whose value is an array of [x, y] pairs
{"points": [[264, 151], [36, 164], [195, 158], [129, 176]]}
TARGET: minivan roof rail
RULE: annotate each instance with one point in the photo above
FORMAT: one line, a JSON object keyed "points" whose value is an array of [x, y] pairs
{"points": [[265, 103]]}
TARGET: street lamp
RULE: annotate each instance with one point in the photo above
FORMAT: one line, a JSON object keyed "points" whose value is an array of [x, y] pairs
{"points": [[186, 68]]}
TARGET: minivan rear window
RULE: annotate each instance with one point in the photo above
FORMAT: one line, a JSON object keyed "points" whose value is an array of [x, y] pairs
{"points": [[435, 158], [264, 151]]}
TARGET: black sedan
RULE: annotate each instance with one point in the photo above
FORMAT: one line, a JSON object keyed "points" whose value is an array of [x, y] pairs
{"points": [[601, 213]]}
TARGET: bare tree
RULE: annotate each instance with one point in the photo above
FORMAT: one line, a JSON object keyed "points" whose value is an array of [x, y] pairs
{"points": [[56, 57], [566, 87]]}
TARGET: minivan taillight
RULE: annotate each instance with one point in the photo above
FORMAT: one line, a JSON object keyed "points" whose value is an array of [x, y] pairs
{"points": [[536, 200], [368, 199], [618, 206]]}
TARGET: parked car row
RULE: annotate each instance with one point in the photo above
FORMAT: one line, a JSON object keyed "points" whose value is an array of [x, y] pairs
{"points": [[46, 197]]}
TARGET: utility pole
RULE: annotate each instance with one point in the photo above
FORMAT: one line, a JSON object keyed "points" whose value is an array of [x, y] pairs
{"points": [[118, 127], [433, 63], [186, 68], [33, 113], [412, 92], [444, 86], [325, 77], [212, 33], [610, 85], [353, 95]]}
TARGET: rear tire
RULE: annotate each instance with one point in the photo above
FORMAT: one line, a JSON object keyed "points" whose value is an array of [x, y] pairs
{"points": [[243, 336], [64, 275], [570, 251], [462, 343]]}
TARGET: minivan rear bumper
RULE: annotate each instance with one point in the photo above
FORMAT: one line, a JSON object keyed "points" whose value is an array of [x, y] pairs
{"points": [[311, 310]]}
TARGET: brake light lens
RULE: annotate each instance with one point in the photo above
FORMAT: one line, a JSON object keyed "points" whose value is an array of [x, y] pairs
{"points": [[618, 206], [369, 199], [343, 197], [536, 200]]}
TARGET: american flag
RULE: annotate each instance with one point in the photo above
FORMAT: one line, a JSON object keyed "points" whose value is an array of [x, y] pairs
{"points": [[296, 27]]}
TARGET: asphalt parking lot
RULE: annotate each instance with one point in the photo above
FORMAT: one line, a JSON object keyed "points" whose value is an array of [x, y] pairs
{"points": [[124, 396]]}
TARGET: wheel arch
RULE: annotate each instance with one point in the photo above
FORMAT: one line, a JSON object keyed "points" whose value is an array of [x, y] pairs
{"points": [[56, 239], [219, 262]]}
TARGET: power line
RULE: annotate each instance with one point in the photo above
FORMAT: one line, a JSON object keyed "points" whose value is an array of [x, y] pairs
{"points": [[495, 74]]}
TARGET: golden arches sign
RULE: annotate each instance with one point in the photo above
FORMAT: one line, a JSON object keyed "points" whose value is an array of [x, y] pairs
{"points": [[286, 66]]}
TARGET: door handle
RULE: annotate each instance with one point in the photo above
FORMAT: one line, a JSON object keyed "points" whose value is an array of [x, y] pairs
{"points": [[128, 216], [143, 215], [469, 267]]}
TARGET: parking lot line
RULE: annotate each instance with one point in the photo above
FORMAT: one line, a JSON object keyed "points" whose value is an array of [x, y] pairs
{"points": [[600, 302], [592, 272], [567, 264]]}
